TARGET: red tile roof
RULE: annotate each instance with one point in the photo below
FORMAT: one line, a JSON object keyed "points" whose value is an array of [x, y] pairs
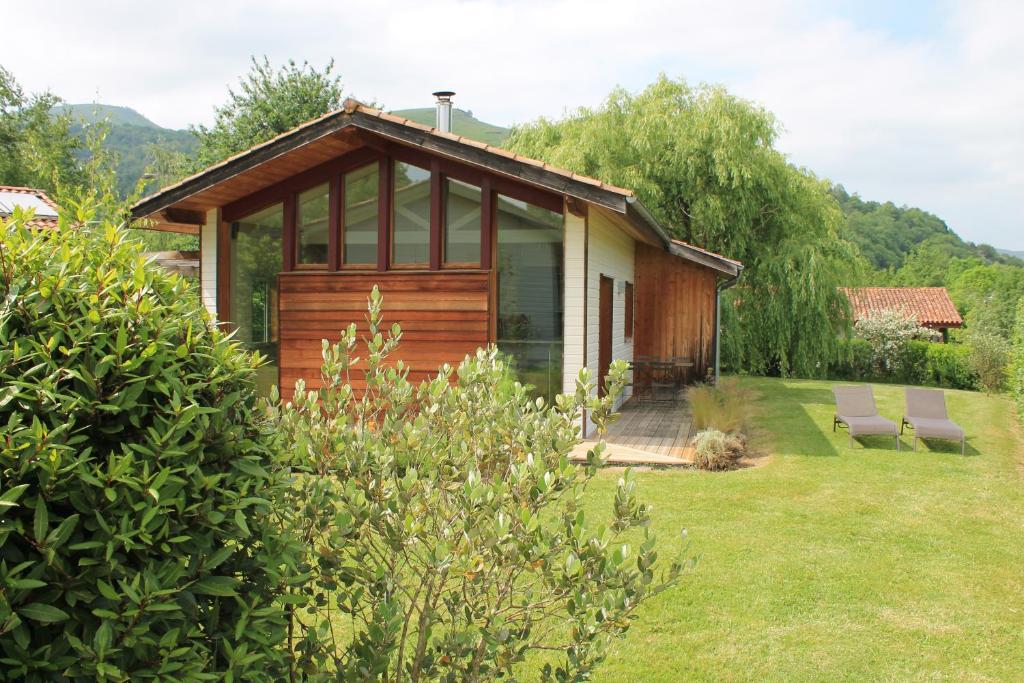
{"points": [[930, 305], [37, 221]]}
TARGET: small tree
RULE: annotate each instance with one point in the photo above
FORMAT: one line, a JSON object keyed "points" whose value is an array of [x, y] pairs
{"points": [[989, 359], [445, 524], [888, 332], [268, 102]]}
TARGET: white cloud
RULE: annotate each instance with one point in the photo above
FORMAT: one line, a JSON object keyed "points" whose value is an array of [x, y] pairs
{"points": [[929, 118]]}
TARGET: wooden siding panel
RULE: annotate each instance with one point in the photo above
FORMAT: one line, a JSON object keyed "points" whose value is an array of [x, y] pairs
{"points": [[675, 309], [444, 316]]}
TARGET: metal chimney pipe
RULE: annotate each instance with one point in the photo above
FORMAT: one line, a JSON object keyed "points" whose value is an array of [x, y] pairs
{"points": [[444, 110]]}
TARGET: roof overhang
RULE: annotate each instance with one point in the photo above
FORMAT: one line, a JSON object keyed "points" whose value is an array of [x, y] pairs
{"points": [[341, 127]]}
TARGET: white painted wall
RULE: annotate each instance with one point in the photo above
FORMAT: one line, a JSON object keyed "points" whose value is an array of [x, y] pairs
{"points": [[573, 332], [208, 261], [612, 254]]}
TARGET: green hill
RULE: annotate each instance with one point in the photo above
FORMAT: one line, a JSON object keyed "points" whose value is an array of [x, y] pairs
{"points": [[886, 233], [132, 136], [463, 123], [92, 113]]}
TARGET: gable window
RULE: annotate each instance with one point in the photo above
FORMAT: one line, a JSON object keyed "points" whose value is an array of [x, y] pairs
{"points": [[255, 260], [312, 224], [629, 311], [461, 223], [361, 188], [531, 282], [411, 215]]}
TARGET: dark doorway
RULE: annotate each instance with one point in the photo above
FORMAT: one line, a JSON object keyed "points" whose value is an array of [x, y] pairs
{"points": [[604, 345]]}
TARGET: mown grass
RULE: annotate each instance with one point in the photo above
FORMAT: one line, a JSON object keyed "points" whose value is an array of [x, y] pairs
{"points": [[832, 563]]}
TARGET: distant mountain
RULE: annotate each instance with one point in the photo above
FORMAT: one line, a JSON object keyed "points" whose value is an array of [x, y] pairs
{"points": [[463, 123], [887, 233], [92, 113], [1010, 252], [132, 136]]}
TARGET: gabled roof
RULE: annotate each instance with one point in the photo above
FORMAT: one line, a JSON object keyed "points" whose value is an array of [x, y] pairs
{"points": [[181, 205], [931, 306], [356, 115], [29, 198]]}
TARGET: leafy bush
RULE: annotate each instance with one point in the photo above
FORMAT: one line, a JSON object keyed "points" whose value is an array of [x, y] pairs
{"points": [[135, 532], [715, 450], [444, 522], [989, 358], [948, 366], [1017, 362], [919, 363], [854, 361], [888, 332]]}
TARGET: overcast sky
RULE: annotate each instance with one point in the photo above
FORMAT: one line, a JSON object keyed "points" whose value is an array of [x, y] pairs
{"points": [[915, 102]]}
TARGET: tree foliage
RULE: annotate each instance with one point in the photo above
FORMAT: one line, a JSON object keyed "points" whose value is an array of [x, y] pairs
{"points": [[704, 163], [886, 234], [444, 523], [36, 148], [136, 532], [269, 101]]}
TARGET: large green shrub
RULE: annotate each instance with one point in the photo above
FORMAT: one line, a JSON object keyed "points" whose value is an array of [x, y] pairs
{"points": [[919, 362], [854, 360], [948, 365], [1017, 362], [445, 524], [135, 538]]}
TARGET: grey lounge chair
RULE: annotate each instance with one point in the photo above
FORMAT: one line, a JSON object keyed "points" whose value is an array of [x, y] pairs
{"points": [[855, 410], [926, 415]]}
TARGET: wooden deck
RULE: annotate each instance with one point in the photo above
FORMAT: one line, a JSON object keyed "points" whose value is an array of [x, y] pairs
{"points": [[647, 433]]}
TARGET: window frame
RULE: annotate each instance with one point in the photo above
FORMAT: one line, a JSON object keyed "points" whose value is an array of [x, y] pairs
{"points": [[428, 264], [340, 193], [331, 228], [385, 154], [629, 312]]}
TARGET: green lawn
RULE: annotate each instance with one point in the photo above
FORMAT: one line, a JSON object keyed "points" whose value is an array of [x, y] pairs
{"points": [[832, 563]]}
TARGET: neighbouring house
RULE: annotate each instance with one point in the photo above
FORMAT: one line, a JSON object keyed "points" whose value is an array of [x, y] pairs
{"points": [[184, 263], [470, 245], [930, 306], [29, 198]]}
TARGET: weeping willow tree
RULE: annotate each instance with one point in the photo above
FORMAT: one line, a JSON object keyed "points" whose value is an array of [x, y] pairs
{"points": [[704, 163]]}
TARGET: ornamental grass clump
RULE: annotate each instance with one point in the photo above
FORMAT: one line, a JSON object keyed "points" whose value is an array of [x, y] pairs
{"points": [[715, 450], [445, 526], [136, 531]]}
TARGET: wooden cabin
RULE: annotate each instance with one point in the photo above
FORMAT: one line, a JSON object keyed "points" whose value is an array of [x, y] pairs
{"points": [[470, 245]]}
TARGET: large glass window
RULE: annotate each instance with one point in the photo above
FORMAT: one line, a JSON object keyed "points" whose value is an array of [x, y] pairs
{"points": [[360, 218], [412, 215], [530, 292], [461, 222], [255, 262], [312, 223]]}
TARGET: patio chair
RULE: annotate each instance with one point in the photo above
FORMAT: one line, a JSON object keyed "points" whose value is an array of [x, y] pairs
{"points": [[926, 415], [855, 410]]}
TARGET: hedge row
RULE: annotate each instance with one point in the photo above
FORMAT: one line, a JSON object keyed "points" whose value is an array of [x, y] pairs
{"points": [[1016, 379], [921, 363]]}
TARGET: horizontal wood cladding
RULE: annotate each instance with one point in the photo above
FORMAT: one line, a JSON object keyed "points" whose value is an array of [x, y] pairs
{"points": [[675, 309], [444, 316]]}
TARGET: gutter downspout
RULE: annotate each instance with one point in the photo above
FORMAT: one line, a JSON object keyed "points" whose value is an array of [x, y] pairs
{"points": [[721, 287]]}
